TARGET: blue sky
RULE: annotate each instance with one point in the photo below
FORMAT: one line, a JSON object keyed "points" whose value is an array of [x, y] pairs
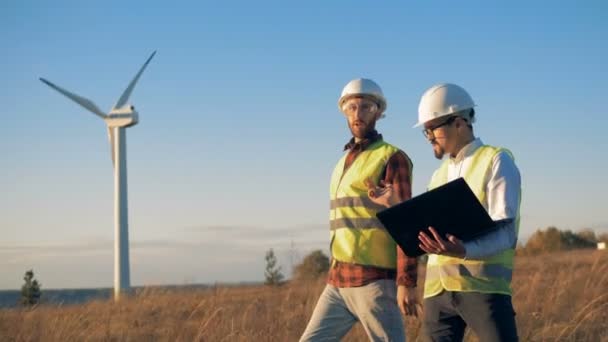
{"points": [[239, 128]]}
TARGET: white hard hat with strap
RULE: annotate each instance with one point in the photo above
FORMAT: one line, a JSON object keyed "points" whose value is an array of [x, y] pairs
{"points": [[442, 100], [363, 87]]}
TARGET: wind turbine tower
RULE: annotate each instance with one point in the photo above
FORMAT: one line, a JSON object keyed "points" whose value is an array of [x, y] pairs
{"points": [[121, 116]]}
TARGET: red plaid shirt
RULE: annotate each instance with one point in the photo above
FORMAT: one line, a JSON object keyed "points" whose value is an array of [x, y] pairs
{"points": [[398, 172]]}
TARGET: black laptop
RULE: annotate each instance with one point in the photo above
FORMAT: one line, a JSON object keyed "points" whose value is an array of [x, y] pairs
{"points": [[451, 208]]}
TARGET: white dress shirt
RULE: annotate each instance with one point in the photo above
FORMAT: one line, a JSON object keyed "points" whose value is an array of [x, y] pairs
{"points": [[502, 200]]}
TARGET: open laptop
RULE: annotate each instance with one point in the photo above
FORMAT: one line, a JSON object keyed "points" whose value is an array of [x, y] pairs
{"points": [[451, 208]]}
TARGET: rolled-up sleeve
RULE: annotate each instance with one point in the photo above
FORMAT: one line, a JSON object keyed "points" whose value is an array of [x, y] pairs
{"points": [[399, 174]]}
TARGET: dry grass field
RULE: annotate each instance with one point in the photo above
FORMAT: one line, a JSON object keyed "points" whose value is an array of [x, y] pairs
{"points": [[558, 297]]}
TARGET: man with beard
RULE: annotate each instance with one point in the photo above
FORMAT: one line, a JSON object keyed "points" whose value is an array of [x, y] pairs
{"points": [[467, 284], [370, 279]]}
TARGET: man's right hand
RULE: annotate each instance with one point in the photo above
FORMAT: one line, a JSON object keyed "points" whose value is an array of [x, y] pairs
{"points": [[382, 194], [408, 301]]}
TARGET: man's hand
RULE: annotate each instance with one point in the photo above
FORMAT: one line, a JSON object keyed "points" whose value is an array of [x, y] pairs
{"points": [[384, 194], [437, 245], [408, 301]]}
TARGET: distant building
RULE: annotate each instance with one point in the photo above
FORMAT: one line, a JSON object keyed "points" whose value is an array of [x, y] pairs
{"points": [[601, 245]]}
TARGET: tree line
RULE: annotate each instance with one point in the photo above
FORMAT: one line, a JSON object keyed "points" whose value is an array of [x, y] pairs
{"points": [[553, 239]]}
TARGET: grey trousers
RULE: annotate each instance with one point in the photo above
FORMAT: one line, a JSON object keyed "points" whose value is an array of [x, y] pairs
{"points": [[490, 316], [374, 305]]}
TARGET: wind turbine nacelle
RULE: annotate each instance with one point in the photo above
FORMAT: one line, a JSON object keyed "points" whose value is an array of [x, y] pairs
{"points": [[122, 117]]}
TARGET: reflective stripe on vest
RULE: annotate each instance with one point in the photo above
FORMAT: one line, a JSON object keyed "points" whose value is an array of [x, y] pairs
{"points": [[476, 271], [357, 236], [488, 275], [355, 202]]}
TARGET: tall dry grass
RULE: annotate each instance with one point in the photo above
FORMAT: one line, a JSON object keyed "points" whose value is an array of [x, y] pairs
{"points": [[558, 297]]}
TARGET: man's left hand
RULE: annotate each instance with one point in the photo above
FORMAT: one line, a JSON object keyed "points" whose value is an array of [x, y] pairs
{"points": [[407, 300], [451, 246]]}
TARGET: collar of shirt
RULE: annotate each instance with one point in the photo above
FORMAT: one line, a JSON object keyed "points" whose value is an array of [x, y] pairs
{"points": [[466, 151], [369, 139]]}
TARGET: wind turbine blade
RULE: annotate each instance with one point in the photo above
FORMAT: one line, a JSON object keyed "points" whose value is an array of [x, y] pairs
{"points": [[86, 103], [125, 96], [111, 137]]}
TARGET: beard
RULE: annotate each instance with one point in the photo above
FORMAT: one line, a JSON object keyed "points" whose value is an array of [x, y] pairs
{"points": [[438, 151], [360, 129]]}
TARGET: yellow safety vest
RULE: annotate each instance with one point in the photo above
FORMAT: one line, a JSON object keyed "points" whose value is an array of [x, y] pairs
{"points": [[357, 236], [488, 275]]}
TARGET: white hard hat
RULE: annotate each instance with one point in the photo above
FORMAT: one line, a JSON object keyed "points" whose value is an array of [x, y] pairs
{"points": [[441, 100], [363, 87]]}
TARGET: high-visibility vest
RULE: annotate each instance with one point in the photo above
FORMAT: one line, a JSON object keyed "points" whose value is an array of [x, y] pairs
{"points": [[357, 236], [488, 275]]}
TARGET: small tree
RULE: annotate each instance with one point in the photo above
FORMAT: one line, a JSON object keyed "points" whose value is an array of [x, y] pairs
{"points": [[587, 234], [273, 271], [314, 265], [30, 291]]}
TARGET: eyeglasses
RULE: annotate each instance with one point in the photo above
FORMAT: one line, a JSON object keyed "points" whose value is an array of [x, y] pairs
{"points": [[365, 107], [430, 131]]}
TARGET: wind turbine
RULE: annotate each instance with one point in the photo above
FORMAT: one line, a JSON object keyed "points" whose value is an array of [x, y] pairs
{"points": [[121, 116]]}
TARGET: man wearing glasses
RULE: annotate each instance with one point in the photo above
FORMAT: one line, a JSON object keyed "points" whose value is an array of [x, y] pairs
{"points": [[370, 279], [468, 283]]}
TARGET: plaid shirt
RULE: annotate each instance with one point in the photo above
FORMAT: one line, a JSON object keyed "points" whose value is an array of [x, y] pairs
{"points": [[397, 172]]}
